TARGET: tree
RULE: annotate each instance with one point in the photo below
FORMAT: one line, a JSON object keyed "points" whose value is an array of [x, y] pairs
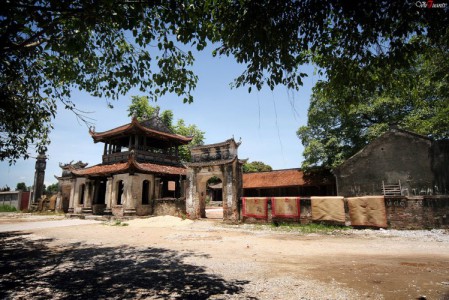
{"points": [[52, 189], [141, 108], [48, 48], [343, 120], [107, 47], [188, 130], [256, 166], [21, 186]]}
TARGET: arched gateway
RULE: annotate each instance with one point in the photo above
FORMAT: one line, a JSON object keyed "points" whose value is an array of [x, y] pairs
{"points": [[216, 160]]}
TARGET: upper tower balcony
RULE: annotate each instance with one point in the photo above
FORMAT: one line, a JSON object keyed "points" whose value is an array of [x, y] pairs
{"points": [[142, 155], [150, 141]]}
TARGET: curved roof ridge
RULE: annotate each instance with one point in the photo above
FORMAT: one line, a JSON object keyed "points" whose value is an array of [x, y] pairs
{"points": [[227, 142], [100, 136]]}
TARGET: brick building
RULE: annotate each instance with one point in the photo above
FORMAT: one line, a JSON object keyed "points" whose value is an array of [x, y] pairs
{"points": [[288, 182], [412, 163]]}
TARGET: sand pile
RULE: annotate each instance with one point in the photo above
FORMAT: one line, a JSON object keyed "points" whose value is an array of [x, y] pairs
{"points": [[160, 221]]}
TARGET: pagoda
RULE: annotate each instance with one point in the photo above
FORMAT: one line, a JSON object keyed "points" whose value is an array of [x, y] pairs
{"points": [[140, 164]]}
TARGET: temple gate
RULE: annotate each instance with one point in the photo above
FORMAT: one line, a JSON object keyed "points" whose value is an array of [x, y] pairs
{"points": [[215, 160]]}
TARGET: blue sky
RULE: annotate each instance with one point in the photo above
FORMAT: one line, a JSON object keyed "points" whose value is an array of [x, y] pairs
{"points": [[265, 120]]}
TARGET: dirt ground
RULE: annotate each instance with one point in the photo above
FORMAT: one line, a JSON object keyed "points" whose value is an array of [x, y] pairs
{"points": [[171, 258]]}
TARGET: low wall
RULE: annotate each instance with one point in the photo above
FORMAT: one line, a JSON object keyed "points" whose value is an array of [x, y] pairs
{"points": [[170, 206], [98, 209], [421, 212], [11, 198], [144, 210], [418, 212]]}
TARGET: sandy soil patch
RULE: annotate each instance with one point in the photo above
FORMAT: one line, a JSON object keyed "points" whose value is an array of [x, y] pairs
{"points": [[159, 222], [171, 258]]}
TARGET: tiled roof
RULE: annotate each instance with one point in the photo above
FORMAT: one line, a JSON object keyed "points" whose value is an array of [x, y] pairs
{"points": [[125, 129], [130, 166], [227, 142], [278, 178], [102, 169], [162, 169], [211, 162]]}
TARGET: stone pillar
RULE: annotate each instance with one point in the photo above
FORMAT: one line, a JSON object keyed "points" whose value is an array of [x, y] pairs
{"points": [[237, 189], [39, 176], [87, 207], [192, 200], [108, 196], [231, 191], [96, 190], [129, 203], [183, 188], [58, 206], [72, 197], [157, 188], [226, 191]]}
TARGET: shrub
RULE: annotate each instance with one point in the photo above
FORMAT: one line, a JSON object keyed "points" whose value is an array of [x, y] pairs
{"points": [[7, 208]]}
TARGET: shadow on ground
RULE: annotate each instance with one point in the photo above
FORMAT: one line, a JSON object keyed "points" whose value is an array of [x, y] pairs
{"points": [[32, 269]]}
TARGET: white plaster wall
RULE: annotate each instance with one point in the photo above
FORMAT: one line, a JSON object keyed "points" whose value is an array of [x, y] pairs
{"points": [[137, 186]]}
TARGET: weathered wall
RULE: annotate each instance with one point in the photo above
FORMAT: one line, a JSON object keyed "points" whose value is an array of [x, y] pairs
{"points": [[131, 198], [214, 160], [11, 198], [212, 153], [202, 176], [98, 209], [170, 207], [75, 202], [393, 157], [230, 175], [440, 166], [136, 194], [65, 187], [418, 212], [127, 198]]}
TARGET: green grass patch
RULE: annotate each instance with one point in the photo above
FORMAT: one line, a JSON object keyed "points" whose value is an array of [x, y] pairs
{"points": [[7, 208], [47, 213], [309, 228], [116, 223]]}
